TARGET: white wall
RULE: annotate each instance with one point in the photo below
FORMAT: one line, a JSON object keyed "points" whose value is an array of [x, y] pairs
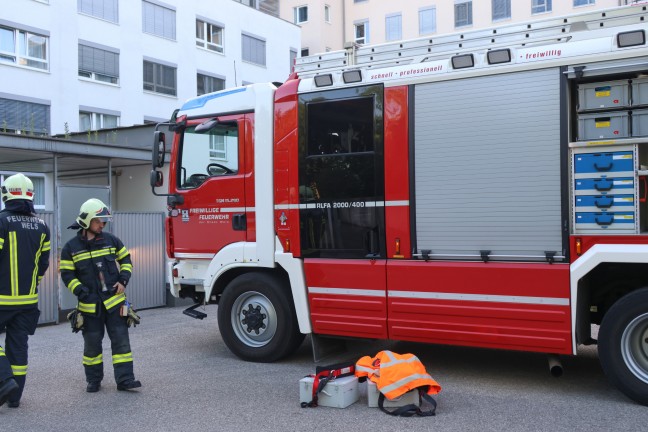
{"points": [[317, 34], [66, 91]]}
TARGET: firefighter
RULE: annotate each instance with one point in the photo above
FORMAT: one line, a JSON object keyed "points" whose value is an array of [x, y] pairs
{"points": [[96, 267], [24, 258]]}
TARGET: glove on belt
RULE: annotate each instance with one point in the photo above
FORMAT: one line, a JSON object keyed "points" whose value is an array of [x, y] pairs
{"points": [[132, 318], [76, 320]]}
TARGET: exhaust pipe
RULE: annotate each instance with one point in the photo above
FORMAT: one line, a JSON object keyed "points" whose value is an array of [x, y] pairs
{"points": [[555, 367]]}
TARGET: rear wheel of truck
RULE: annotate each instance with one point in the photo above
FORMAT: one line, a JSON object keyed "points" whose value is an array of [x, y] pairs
{"points": [[623, 345], [256, 318]]}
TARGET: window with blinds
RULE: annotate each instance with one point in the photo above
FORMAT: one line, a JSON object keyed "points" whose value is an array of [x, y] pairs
{"points": [[393, 27], [209, 84], [160, 78], [501, 9], [427, 21], [98, 64], [104, 9], [158, 20], [24, 117], [463, 13], [254, 50]]}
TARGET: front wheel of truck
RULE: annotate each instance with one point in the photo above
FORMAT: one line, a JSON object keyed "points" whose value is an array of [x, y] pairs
{"points": [[256, 318], [623, 345]]}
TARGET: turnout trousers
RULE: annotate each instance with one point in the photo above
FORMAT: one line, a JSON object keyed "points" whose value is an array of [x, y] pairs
{"points": [[18, 324], [93, 333]]}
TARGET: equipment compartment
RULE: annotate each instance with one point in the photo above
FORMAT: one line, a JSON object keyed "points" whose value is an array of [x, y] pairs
{"points": [[605, 95], [640, 123], [604, 162], [640, 91], [603, 203], [603, 125], [603, 186]]}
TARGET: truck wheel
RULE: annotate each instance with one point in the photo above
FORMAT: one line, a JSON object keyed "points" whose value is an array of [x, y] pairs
{"points": [[623, 345], [256, 318]]}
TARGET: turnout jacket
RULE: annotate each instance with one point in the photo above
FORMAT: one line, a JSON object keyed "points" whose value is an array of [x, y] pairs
{"points": [[24, 258], [89, 265]]}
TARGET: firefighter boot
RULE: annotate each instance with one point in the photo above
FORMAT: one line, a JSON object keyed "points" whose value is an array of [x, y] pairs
{"points": [[7, 388], [129, 385], [93, 387]]}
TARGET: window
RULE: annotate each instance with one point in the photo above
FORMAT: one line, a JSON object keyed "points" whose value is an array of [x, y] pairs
{"points": [[362, 32], [300, 14], [327, 13], [463, 13], [427, 21], [501, 9], [97, 120], [540, 6], [210, 154], [209, 36], [583, 2], [98, 64], [160, 78], [158, 20], [104, 9], [393, 27], [251, 3], [254, 49], [25, 115], [209, 84], [24, 48], [217, 148], [304, 52], [39, 189]]}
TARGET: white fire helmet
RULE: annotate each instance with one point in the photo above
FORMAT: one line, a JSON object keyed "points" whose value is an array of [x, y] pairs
{"points": [[17, 186], [93, 208]]}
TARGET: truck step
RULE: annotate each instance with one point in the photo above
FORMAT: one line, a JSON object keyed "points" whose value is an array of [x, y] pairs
{"points": [[193, 313]]}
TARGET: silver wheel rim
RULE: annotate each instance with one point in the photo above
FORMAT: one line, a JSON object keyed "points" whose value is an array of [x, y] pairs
{"points": [[634, 347], [254, 319]]}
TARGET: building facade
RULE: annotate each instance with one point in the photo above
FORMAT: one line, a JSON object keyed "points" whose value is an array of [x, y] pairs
{"points": [[330, 25], [84, 65]]}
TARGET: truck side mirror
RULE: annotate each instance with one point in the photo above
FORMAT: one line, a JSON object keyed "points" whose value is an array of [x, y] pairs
{"points": [[159, 149], [156, 178]]}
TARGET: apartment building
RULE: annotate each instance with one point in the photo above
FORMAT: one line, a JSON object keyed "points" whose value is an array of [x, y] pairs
{"points": [[333, 24], [83, 65]]}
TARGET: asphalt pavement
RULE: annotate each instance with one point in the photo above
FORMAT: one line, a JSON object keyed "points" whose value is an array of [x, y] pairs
{"points": [[191, 382]]}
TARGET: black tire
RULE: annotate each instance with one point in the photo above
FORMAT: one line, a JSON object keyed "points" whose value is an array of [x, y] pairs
{"points": [[257, 320], [623, 345]]}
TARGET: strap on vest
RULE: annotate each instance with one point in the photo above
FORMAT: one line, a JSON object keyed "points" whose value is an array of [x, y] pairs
{"points": [[324, 374], [411, 409]]}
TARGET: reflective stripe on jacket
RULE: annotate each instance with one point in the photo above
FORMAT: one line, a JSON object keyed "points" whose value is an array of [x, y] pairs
{"points": [[24, 258], [84, 263], [396, 374]]}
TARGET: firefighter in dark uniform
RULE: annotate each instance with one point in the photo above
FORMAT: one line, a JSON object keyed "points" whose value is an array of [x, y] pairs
{"points": [[24, 258], [96, 267]]}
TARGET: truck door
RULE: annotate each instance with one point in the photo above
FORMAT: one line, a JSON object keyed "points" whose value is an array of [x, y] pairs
{"points": [[342, 220], [210, 176]]}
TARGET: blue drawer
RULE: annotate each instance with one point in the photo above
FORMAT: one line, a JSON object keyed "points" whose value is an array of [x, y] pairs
{"points": [[608, 162], [604, 185], [605, 220], [605, 203]]}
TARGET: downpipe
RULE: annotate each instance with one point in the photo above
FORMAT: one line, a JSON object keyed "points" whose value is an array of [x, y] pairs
{"points": [[555, 366]]}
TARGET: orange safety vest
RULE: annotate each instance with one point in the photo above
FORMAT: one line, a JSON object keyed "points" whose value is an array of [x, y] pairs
{"points": [[396, 374]]}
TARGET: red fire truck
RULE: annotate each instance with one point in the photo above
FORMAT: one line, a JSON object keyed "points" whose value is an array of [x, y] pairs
{"points": [[485, 189]]}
